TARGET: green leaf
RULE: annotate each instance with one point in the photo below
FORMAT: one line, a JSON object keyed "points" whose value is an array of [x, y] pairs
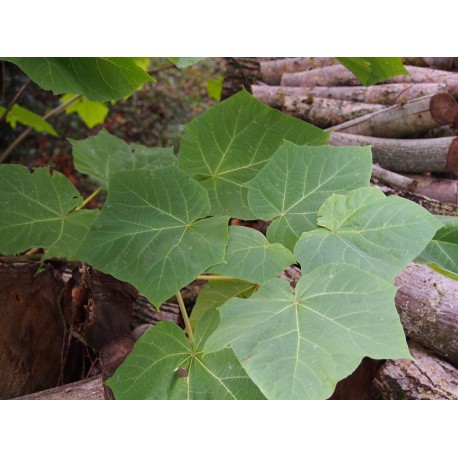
{"points": [[231, 142], [298, 179], [100, 155], [143, 62], [216, 293], [100, 79], [215, 88], [152, 370], [36, 211], [92, 113], [250, 257], [379, 234], [28, 118], [298, 346], [441, 254], [371, 70], [151, 234], [183, 62]]}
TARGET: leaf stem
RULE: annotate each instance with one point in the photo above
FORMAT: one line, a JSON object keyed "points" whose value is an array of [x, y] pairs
{"points": [[88, 199], [184, 313], [26, 132], [215, 277]]}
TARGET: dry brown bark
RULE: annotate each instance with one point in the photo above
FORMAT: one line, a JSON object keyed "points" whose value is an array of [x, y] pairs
{"points": [[240, 72], [271, 71], [427, 377], [406, 155], [386, 94], [326, 112], [404, 120]]}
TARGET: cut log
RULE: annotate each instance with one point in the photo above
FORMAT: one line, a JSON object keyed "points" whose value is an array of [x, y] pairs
{"points": [[441, 63], [240, 72], [427, 377], [386, 94], [89, 390], [427, 303], [404, 120], [327, 112], [406, 155], [441, 189], [271, 71]]}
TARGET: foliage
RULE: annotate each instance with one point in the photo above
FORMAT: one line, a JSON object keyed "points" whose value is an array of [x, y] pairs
{"points": [[28, 118], [183, 62], [92, 113]]}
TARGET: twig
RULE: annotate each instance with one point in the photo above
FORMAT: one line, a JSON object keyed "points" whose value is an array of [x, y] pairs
{"points": [[14, 100]]}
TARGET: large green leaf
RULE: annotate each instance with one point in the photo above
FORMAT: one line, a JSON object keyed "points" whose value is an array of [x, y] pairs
{"points": [[92, 113], [298, 346], [441, 253], [228, 145], [165, 365], [100, 155], [151, 233], [250, 257], [183, 62], [371, 70], [216, 293], [298, 179], [28, 118], [36, 211], [379, 234], [100, 79]]}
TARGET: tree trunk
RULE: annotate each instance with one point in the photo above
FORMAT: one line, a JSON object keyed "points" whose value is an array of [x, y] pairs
{"points": [[386, 94], [271, 71], [409, 156], [403, 120], [427, 377], [326, 112], [427, 303], [240, 72]]}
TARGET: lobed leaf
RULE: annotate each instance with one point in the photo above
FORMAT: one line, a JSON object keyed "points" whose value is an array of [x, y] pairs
{"points": [[100, 155], [100, 79], [298, 346], [379, 234], [92, 113], [250, 257], [231, 142], [298, 179], [153, 232], [28, 118], [36, 210]]}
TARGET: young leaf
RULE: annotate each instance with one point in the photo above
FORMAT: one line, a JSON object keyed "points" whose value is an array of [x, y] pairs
{"points": [[36, 211], [250, 257], [215, 88], [298, 346], [231, 142], [379, 234], [216, 293], [92, 113], [100, 155], [371, 70], [183, 62], [441, 253], [151, 233], [28, 118], [165, 365], [298, 179], [100, 79]]}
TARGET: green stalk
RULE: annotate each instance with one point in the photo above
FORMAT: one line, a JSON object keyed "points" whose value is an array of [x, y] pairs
{"points": [[184, 314], [88, 199], [21, 138], [215, 277]]}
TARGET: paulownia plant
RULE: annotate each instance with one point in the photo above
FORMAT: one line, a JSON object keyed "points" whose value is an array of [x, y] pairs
{"points": [[165, 224]]}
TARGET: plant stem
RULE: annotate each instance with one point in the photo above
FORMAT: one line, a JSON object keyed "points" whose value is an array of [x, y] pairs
{"points": [[215, 277], [14, 100], [26, 132], [184, 313], [88, 199]]}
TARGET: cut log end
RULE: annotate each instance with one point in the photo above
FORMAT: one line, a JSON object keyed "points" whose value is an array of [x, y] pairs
{"points": [[444, 108], [452, 157]]}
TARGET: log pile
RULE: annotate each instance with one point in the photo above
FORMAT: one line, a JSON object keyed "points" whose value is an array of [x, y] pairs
{"points": [[410, 121]]}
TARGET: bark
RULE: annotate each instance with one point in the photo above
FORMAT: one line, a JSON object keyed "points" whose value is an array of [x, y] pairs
{"points": [[427, 303], [338, 75], [386, 94], [327, 112], [427, 377], [403, 120], [441, 189], [406, 155], [240, 72], [441, 63], [271, 71], [90, 389]]}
